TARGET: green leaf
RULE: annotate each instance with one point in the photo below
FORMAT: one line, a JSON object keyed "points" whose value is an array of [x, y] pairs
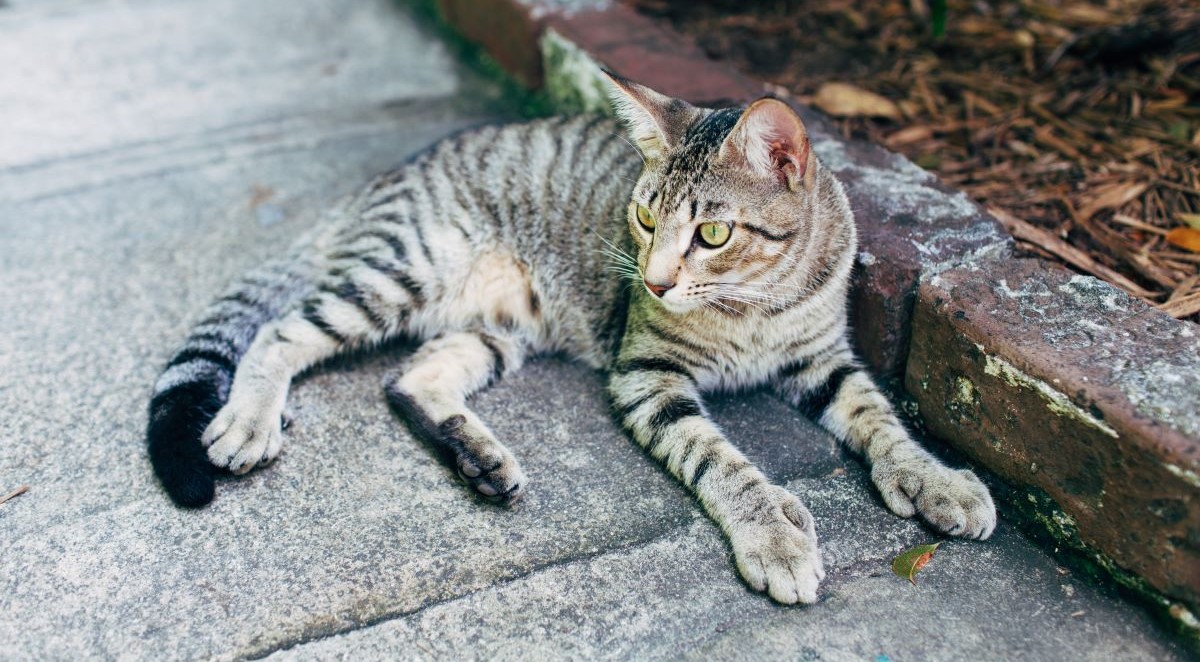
{"points": [[937, 17], [1179, 131], [908, 564], [929, 161]]}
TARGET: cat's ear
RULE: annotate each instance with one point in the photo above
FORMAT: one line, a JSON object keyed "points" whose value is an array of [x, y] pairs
{"points": [[656, 122], [770, 140]]}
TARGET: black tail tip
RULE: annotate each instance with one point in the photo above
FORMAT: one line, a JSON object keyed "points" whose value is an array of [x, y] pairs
{"points": [[189, 480], [177, 419], [191, 489]]}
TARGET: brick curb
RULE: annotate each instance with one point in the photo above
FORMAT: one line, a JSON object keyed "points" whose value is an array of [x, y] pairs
{"points": [[1064, 385], [1036, 405]]}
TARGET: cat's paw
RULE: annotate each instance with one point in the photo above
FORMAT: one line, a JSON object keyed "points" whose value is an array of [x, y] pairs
{"points": [[953, 501], [243, 436], [775, 546], [482, 462], [497, 477]]}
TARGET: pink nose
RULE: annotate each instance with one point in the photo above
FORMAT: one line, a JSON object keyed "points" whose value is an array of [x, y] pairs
{"points": [[658, 290]]}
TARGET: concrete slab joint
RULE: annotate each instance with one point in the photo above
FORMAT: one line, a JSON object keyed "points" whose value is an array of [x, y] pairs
{"points": [[1078, 397]]}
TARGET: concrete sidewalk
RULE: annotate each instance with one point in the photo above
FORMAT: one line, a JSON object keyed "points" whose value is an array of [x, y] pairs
{"points": [[150, 151]]}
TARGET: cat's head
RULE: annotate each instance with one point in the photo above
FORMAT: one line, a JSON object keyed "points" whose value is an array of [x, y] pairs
{"points": [[727, 201]]}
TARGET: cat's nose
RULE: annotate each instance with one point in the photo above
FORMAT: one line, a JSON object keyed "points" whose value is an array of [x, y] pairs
{"points": [[658, 290]]}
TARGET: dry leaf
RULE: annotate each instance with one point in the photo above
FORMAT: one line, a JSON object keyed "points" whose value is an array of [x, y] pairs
{"points": [[1113, 195], [908, 564], [845, 100], [1186, 238], [909, 135], [1191, 219]]}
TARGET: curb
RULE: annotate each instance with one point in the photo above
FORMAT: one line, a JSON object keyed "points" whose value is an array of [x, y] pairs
{"points": [[996, 350], [1095, 436]]}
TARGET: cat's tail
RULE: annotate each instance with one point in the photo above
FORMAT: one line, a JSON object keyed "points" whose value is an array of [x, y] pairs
{"points": [[196, 381]]}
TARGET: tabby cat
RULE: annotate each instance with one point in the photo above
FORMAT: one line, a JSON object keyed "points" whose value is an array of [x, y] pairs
{"points": [[485, 249]]}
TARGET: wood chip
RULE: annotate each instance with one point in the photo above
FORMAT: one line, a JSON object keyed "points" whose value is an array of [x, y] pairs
{"points": [[15, 493], [1111, 196], [909, 135], [1066, 252], [1181, 308], [1134, 223]]}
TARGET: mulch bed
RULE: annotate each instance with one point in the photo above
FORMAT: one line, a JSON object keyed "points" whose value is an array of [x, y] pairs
{"points": [[1076, 123]]}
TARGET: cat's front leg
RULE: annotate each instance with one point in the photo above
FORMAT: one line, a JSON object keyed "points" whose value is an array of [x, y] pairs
{"points": [[773, 535], [843, 398]]}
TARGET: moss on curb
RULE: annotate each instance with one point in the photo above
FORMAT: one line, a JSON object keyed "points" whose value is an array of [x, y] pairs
{"points": [[529, 103], [1039, 516], [573, 81]]}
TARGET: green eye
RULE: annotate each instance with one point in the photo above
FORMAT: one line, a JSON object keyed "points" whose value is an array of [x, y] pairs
{"points": [[645, 218], [714, 234]]}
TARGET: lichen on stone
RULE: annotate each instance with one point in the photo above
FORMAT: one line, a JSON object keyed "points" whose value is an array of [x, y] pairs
{"points": [[540, 8], [965, 392], [902, 187], [1056, 401], [1186, 474], [1165, 390]]}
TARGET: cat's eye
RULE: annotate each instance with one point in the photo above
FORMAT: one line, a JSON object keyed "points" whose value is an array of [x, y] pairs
{"points": [[645, 218], [714, 234]]}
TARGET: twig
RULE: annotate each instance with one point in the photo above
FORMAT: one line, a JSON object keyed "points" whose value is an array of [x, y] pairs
{"points": [[1066, 252], [1134, 223], [1181, 308], [15, 493]]}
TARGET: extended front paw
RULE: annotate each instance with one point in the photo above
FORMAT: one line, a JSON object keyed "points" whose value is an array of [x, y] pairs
{"points": [[242, 437], [775, 545], [953, 501]]}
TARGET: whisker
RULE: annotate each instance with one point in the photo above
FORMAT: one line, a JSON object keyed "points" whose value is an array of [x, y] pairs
{"points": [[726, 307], [745, 301], [633, 147], [751, 292]]}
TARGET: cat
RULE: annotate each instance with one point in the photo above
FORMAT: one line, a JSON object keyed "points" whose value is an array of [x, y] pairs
{"points": [[740, 246]]}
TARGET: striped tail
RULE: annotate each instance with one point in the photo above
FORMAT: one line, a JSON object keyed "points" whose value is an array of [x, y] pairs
{"points": [[196, 381]]}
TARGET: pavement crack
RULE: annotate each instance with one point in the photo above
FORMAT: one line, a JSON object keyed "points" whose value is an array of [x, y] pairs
{"points": [[318, 634]]}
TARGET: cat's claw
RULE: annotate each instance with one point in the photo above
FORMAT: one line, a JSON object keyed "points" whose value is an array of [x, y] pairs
{"points": [[777, 552], [953, 501], [242, 438]]}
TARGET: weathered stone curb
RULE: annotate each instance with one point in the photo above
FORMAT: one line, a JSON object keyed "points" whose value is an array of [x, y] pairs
{"points": [[1062, 383], [913, 229]]}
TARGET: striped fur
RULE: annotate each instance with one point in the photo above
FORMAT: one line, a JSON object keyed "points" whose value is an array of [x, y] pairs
{"points": [[507, 242]]}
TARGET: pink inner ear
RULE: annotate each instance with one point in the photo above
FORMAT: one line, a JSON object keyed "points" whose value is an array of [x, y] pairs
{"points": [[785, 155]]}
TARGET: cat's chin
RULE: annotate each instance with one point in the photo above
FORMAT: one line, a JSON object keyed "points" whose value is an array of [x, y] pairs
{"points": [[679, 307]]}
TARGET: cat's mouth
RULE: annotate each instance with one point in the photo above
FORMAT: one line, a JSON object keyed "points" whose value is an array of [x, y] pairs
{"points": [[675, 303]]}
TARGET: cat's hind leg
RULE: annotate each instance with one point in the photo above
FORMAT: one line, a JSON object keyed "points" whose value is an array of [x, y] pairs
{"points": [[431, 392]]}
